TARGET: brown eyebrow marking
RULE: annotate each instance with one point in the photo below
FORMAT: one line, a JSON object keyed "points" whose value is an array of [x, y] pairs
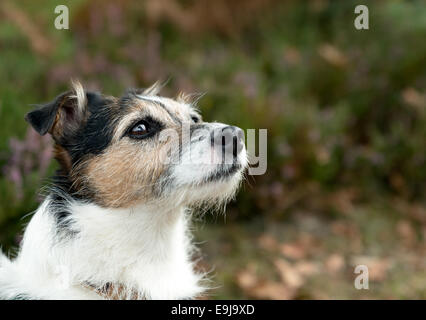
{"points": [[162, 105]]}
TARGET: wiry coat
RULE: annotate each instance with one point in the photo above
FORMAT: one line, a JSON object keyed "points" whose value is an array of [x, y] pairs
{"points": [[115, 224]]}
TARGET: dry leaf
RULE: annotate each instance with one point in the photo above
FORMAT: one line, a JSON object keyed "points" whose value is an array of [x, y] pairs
{"points": [[293, 250], [334, 263], [406, 231], [307, 268], [255, 287], [267, 242], [343, 200], [247, 279], [289, 274], [415, 99], [332, 55], [272, 290], [345, 229], [292, 56]]}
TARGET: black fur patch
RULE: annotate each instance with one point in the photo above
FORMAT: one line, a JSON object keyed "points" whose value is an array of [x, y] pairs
{"points": [[61, 193], [42, 118], [92, 138], [22, 296], [96, 133]]}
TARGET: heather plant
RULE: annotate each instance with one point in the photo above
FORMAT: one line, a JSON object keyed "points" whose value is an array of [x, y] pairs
{"points": [[31, 155]]}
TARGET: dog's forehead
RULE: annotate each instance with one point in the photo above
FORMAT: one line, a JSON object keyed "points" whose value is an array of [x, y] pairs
{"points": [[160, 108], [179, 108]]}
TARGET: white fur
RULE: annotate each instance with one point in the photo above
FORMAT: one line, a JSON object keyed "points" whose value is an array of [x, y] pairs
{"points": [[142, 248], [80, 97]]}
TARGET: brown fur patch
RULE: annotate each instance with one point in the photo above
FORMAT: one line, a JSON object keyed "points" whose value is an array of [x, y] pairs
{"points": [[111, 291], [123, 175], [63, 157], [127, 172]]}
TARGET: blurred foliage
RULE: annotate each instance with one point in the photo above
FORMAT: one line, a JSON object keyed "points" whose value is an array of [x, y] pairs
{"points": [[345, 112]]}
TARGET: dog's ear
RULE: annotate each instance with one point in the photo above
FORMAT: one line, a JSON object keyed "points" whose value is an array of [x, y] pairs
{"points": [[63, 115]]}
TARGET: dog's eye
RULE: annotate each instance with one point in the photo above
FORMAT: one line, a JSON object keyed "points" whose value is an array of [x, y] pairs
{"points": [[145, 128], [141, 129], [195, 119]]}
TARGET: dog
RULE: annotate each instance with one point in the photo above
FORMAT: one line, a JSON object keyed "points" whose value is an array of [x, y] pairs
{"points": [[115, 223]]}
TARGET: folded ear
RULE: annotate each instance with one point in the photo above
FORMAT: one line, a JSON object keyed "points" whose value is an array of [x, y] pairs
{"points": [[63, 115]]}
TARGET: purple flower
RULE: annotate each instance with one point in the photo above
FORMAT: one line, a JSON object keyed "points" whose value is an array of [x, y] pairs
{"points": [[32, 154]]}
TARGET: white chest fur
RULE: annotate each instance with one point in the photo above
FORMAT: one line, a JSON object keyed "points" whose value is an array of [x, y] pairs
{"points": [[140, 248]]}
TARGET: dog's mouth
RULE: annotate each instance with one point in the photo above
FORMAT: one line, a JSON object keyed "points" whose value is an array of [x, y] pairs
{"points": [[224, 172]]}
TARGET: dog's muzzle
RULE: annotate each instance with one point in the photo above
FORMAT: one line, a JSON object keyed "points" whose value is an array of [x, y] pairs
{"points": [[230, 139]]}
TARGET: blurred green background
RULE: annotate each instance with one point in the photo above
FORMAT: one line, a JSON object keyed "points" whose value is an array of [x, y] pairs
{"points": [[345, 111]]}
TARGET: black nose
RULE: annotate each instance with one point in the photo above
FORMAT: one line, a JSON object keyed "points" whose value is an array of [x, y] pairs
{"points": [[231, 139]]}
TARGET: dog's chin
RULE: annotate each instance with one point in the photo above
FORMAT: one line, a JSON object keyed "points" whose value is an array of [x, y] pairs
{"points": [[223, 173], [217, 187]]}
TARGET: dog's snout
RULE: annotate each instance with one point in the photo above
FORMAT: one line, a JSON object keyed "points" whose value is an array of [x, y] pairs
{"points": [[230, 138]]}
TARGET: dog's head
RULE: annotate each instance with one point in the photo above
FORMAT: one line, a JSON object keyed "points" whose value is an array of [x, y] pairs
{"points": [[140, 148]]}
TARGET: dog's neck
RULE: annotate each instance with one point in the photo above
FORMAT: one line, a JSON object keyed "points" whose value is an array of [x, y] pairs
{"points": [[146, 249], [129, 234]]}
